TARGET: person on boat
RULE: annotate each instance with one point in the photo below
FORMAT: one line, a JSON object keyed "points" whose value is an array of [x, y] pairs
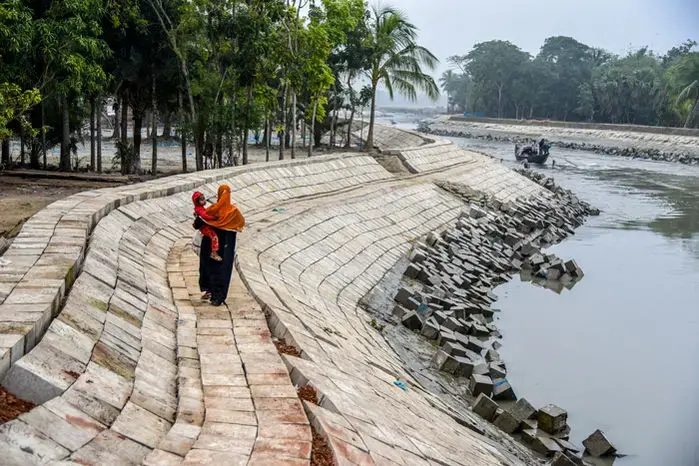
{"points": [[214, 276]]}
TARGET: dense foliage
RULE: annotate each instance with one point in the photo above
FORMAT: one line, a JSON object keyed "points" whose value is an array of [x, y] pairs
{"points": [[211, 72], [569, 80]]}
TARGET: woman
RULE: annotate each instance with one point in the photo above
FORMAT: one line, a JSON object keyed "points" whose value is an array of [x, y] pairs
{"points": [[214, 276]]}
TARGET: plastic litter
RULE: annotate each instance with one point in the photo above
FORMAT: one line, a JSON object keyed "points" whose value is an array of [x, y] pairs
{"points": [[400, 384]]}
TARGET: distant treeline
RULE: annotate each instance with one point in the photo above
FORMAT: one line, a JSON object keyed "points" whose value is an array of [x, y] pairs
{"points": [[570, 81]]}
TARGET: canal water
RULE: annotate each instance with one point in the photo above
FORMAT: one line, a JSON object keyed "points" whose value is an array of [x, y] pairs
{"points": [[620, 351]]}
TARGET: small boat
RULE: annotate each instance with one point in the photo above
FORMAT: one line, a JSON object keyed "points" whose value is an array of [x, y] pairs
{"points": [[532, 153]]}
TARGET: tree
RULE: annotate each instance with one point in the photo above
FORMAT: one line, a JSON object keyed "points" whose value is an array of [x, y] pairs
{"points": [[629, 90], [570, 64], [457, 85], [493, 66], [70, 43], [684, 76], [678, 52], [17, 95], [396, 61], [447, 81]]}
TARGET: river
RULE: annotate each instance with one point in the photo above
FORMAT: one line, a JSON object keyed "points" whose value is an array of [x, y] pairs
{"points": [[620, 351]]}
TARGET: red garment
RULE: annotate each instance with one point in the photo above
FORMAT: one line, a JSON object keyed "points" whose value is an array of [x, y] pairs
{"points": [[200, 211], [210, 233]]}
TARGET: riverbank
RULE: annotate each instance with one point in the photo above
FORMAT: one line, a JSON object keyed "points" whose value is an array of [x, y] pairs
{"points": [[680, 148], [442, 294]]}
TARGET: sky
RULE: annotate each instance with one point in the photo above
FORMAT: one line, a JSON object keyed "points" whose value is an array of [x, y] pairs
{"points": [[452, 27]]}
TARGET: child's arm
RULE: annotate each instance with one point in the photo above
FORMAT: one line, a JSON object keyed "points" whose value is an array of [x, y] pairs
{"points": [[205, 216], [201, 213]]}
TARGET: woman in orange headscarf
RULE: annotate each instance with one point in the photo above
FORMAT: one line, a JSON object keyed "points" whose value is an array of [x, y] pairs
{"points": [[215, 277], [228, 216]]}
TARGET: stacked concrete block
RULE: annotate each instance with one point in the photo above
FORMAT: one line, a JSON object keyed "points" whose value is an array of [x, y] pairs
{"points": [[597, 444]]}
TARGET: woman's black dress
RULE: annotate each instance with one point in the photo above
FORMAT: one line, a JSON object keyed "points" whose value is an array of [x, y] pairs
{"points": [[214, 276]]}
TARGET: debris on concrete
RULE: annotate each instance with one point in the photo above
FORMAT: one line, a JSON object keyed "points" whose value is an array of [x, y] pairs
{"points": [[480, 384], [502, 390], [523, 410], [485, 407], [545, 445], [552, 419], [507, 422], [597, 444], [560, 459]]}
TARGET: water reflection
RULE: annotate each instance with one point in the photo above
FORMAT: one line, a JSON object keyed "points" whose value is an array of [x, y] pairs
{"points": [[556, 286]]}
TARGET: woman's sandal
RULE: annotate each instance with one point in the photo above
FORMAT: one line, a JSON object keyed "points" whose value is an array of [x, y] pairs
{"points": [[206, 296], [216, 257]]}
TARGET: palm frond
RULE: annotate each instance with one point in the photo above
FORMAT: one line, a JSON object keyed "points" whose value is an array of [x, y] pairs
{"points": [[687, 91]]}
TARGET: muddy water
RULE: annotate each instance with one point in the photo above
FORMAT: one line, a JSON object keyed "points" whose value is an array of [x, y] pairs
{"points": [[620, 351]]}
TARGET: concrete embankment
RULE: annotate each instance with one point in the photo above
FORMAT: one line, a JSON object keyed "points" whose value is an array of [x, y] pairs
{"points": [[445, 295], [135, 368], [628, 141]]}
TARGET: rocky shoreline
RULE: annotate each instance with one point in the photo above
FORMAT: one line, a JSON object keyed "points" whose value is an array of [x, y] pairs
{"points": [[446, 296], [647, 153]]}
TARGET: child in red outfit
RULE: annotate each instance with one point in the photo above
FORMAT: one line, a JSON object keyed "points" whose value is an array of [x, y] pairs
{"points": [[200, 211]]}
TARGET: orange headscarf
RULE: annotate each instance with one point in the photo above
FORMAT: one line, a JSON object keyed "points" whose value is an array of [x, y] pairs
{"points": [[228, 215]]}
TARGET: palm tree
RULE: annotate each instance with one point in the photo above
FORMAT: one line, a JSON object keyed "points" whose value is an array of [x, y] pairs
{"points": [[447, 82], [687, 73], [396, 60]]}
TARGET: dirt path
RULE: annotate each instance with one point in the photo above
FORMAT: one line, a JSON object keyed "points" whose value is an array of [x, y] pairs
{"points": [[22, 197]]}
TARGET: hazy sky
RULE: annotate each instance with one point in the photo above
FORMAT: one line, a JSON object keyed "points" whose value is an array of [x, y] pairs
{"points": [[450, 27]]}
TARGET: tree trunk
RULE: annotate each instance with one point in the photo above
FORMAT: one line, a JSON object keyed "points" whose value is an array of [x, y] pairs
{"points": [[167, 125], [148, 122], [34, 154], [199, 144], [349, 129], [691, 113], [333, 118], [118, 104], [303, 133], [372, 118], [282, 133], [499, 101], [21, 145], [65, 135], [124, 118], [192, 111], [154, 121], [268, 136], [43, 134], [183, 136], [137, 125], [219, 150], [293, 123], [6, 152], [246, 124], [99, 134], [93, 154], [313, 125]]}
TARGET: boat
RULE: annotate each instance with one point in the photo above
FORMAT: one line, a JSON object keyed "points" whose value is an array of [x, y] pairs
{"points": [[532, 153]]}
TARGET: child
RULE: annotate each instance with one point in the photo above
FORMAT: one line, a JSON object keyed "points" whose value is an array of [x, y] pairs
{"points": [[200, 211]]}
